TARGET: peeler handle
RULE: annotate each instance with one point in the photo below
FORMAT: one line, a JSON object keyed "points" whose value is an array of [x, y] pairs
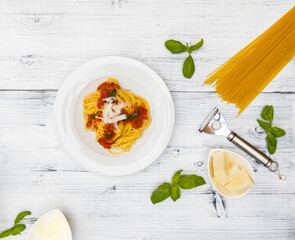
{"points": [[251, 150]]}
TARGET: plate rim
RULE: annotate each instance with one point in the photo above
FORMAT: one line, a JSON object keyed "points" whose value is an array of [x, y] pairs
{"points": [[123, 59]]}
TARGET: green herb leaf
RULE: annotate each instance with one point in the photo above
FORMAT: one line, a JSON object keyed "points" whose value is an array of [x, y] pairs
{"points": [[267, 113], [187, 48], [264, 125], [196, 46], [175, 177], [271, 143], [109, 136], [21, 216], [131, 117], [190, 181], [113, 93], [93, 116], [5, 234], [272, 132], [161, 193], [277, 132], [175, 46], [175, 192], [17, 229], [188, 67]]}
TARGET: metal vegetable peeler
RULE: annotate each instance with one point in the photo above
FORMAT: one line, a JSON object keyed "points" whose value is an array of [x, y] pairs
{"points": [[216, 125]]}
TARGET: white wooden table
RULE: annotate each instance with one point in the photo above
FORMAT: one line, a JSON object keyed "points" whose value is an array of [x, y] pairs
{"points": [[41, 42]]}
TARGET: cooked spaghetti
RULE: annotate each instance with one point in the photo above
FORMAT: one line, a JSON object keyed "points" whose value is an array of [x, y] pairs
{"points": [[240, 79], [117, 116]]}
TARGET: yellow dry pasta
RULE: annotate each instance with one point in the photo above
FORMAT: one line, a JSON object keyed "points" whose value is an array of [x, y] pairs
{"points": [[241, 78]]}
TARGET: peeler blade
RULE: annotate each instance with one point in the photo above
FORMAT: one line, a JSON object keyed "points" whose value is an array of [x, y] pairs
{"points": [[215, 124]]}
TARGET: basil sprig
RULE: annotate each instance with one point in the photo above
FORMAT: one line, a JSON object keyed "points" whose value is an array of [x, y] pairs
{"points": [[188, 67], [166, 190], [175, 190], [17, 228], [21, 216], [272, 132], [190, 181], [174, 46], [161, 193], [113, 92], [109, 136], [131, 117]]}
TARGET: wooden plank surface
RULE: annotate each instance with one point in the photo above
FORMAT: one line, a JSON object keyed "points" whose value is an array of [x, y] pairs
{"points": [[37, 170], [43, 41]]}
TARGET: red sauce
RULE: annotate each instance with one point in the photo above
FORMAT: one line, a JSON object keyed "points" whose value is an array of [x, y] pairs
{"points": [[108, 85], [107, 140], [105, 90], [104, 93], [90, 122], [124, 111], [138, 121]]}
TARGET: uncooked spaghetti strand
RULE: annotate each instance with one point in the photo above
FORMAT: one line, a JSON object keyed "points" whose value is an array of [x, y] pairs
{"points": [[241, 78]]}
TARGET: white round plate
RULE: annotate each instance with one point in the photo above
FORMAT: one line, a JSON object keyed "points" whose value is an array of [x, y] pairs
{"points": [[140, 80]]}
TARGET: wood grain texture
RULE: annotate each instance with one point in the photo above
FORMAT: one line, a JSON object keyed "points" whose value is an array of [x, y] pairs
{"points": [[43, 41], [37, 169]]}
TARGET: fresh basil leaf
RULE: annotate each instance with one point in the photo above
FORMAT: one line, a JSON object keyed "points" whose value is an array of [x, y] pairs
{"points": [[175, 177], [277, 132], [188, 67], [196, 46], [175, 192], [190, 181], [264, 125], [161, 193], [271, 143], [109, 136], [131, 117], [113, 93], [267, 113], [17, 229], [5, 234], [21, 216], [175, 46], [93, 116]]}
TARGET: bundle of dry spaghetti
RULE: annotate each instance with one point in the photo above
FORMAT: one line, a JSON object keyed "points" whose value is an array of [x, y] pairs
{"points": [[240, 79]]}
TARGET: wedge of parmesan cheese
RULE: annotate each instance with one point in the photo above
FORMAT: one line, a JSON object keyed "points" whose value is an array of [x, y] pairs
{"points": [[241, 180], [232, 172], [51, 226], [221, 167]]}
